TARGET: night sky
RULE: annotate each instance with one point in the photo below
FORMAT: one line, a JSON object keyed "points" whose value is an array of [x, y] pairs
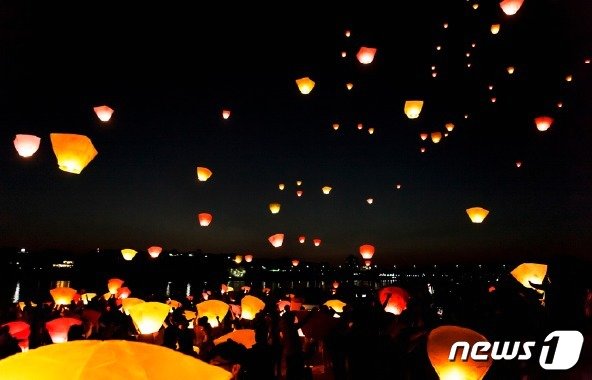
{"points": [[168, 71]]}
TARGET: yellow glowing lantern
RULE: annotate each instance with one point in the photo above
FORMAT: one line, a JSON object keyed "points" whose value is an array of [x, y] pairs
{"points": [[477, 214], [128, 253], [336, 305], [298, 183], [510, 70], [366, 55], [238, 259], [281, 186], [62, 296], [305, 85], [349, 85], [154, 251], [248, 258], [149, 316], [86, 297], [203, 174], [204, 219], [371, 131], [107, 296], [26, 145], [326, 190], [569, 78], [335, 126], [299, 193], [436, 137], [449, 127], [276, 240], [114, 284], [528, 273], [274, 208], [511, 7], [302, 239], [413, 108], [58, 329], [543, 123], [423, 136], [128, 303], [251, 306], [103, 113], [442, 341], [367, 251], [74, 152], [316, 242], [495, 28], [370, 201], [214, 310], [225, 114], [246, 337]]}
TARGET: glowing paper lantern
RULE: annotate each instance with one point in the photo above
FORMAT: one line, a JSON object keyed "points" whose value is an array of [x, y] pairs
{"points": [[248, 258], [103, 113], [335, 126], [398, 186], [335, 284], [250, 307], [154, 251], [86, 297], [422, 150], [107, 296], [295, 262], [440, 341], [518, 164], [225, 114], [123, 292], [366, 55], [397, 301], [305, 85], [212, 309], [347, 33], [274, 208], [511, 7], [62, 296], [298, 183], [476, 6], [371, 131], [413, 108], [302, 239], [477, 214], [128, 303], [299, 193], [113, 285], [367, 251], [203, 174], [281, 186], [495, 28], [370, 201], [276, 240], [327, 190], [316, 242], [204, 219], [349, 86], [449, 127], [445, 25], [336, 305], [128, 253], [238, 259], [149, 316], [436, 137], [20, 331], [367, 263], [569, 78], [74, 152], [343, 54], [26, 145], [246, 337], [510, 70], [528, 273], [543, 123], [58, 329], [423, 136], [360, 126]]}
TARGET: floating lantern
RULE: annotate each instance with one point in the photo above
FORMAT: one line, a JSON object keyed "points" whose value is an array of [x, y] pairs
{"points": [[349, 85], [370, 201], [510, 70], [468, 65], [449, 127], [569, 78], [225, 114], [301, 239], [397, 299], [274, 208], [343, 54], [367, 263], [299, 193], [123, 293], [316, 242], [62, 296], [326, 190], [366, 55], [413, 108], [86, 297], [398, 186], [495, 28], [518, 164], [128, 303], [477, 214], [58, 328], [436, 137], [103, 113], [543, 123], [214, 310], [74, 152], [203, 174], [422, 150], [250, 307], [248, 258], [438, 48], [493, 100], [148, 317], [335, 284], [281, 186], [20, 331], [335, 126], [367, 251], [246, 337], [445, 25], [476, 6], [360, 126], [305, 85], [128, 253], [295, 262], [336, 305], [511, 7], [371, 131], [298, 183], [559, 105], [238, 259], [423, 136], [528, 273], [204, 219], [114, 284], [347, 33], [490, 87], [468, 55], [26, 145], [154, 251], [276, 240]]}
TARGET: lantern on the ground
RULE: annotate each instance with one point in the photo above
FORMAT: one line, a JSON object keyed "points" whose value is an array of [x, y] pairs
{"points": [[58, 328]]}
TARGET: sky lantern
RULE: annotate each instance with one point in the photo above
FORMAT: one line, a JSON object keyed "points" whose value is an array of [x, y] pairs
{"points": [[127, 303], [149, 316], [569, 78], [123, 292], [204, 219], [212, 309], [58, 329], [301, 239], [434, 74], [477, 214], [543, 123], [476, 6], [528, 273], [274, 208], [305, 85], [398, 186], [397, 299], [295, 262], [250, 307], [370, 201], [493, 100], [154, 251], [449, 127], [113, 285], [423, 136], [20, 331], [367, 251], [128, 253], [335, 284], [360, 126], [422, 149], [349, 86], [203, 173], [518, 164], [511, 7], [366, 55], [336, 305], [276, 240], [440, 341], [225, 114], [26, 145], [86, 297], [246, 337], [103, 113], [413, 108], [371, 131], [495, 28], [348, 33], [367, 263], [343, 54], [436, 137], [335, 126], [281, 186], [62, 296], [316, 242], [438, 48], [445, 25], [238, 259], [298, 183], [510, 70], [74, 152], [299, 193], [326, 190], [248, 258]]}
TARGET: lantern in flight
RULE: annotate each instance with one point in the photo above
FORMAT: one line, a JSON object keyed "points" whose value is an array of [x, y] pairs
{"points": [[281, 186], [302, 239], [413, 108], [335, 284], [250, 307], [225, 114], [103, 113], [349, 86], [26, 145], [128, 253], [327, 190], [443, 344], [398, 186], [543, 123], [74, 152], [510, 70], [295, 262], [477, 214], [422, 150], [299, 193], [305, 85], [214, 310], [274, 208], [58, 328], [367, 263], [149, 316], [203, 174], [154, 251], [423, 136], [114, 284], [366, 55], [336, 305], [123, 292], [370, 201], [335, 126], [238, 259], [343, 54], [528, 273], [569, 78], [276, 240], [371, 131], [495, 28], [449, 127], [204, 219], [436, 137], [248, 258], [128, 303], [510, 7], [360, 126], [394, 298], [518, 164], [316, 242], [62, 296], [86, 297], [367, 251]]}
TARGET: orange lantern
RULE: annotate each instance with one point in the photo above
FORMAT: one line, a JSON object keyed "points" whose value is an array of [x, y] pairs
{"points": [[440, 344], [248, 258], [62, 296], [246, 337], [511, 7], [510, 70], [543, 123], [74, 152], [360, 126], [281, 186], [449, 127], [250, 307], [86, 297], [316, 242], [477, 214], [214, 310], [413, 108], [299, 193], [367, 251], [274, 208], [366, 55], [302, 239], [398, 186], [349, 86], [436, 137], [20, 331], [276, 240], [495, 28], [149, 316], [154, 251], [295, 262], [26, 145], [58, 328], [204, 219], [397, 299], [113, 285], [335, 284], [103, 113], [423, 136], [335, 126], [238, 259], [326, 190], [367, 263], [128, 253], [203, 174], [225, 114], [123, 293], [305, 85], [530, 273], [174, 304]]}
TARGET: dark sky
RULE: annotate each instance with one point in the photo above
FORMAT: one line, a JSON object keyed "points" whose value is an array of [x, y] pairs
{"points": [[169, 70]]}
